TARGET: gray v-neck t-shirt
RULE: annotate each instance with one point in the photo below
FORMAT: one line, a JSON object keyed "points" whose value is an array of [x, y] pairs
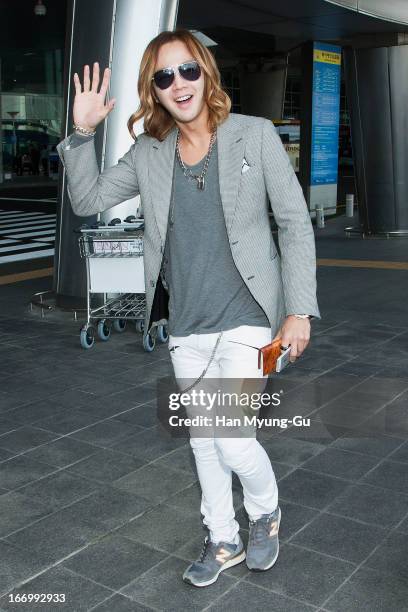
{"points": [[206, 292]]}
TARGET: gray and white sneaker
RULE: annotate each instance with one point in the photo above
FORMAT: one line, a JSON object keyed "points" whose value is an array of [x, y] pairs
{"points": [[214, 558], [263, 542]]}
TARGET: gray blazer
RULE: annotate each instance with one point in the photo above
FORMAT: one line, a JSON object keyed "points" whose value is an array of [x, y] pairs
{"points": [[254, 169]]}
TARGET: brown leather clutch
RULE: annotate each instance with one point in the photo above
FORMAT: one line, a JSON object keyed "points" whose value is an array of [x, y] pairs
{"points": [[270, 353]]}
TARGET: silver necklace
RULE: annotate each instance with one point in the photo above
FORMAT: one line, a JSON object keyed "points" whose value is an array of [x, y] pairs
{"points": [[186, 171]]}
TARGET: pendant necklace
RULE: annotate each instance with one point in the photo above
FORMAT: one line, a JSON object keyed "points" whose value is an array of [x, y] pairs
{"points": [[186, 171]]}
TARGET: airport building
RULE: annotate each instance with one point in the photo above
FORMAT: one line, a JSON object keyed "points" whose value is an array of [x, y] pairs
{"points": [[99, 498]]}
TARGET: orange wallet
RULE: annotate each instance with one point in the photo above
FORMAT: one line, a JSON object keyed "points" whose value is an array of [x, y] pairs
{"points": [[270, 353]]}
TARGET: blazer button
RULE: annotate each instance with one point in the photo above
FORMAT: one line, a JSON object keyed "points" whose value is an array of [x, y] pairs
{"points": [[152, 283]]}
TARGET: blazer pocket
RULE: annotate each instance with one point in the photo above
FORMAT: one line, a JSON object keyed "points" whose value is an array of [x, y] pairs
{"points": [[273, 251], [245, 170], [251, 176]]}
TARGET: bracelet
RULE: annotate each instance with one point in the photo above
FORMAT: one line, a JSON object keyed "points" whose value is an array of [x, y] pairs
{"points": [[302, 316], [83, 130]]}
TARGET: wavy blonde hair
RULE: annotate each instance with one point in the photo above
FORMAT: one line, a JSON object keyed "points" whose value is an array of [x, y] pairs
{"points": [[157, 120]]}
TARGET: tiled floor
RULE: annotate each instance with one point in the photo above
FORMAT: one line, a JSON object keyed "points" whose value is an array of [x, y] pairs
{"points": [[98, 503]]}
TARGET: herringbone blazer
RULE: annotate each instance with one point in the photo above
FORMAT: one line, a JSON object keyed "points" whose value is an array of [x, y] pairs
{"points": [[254, 173]]}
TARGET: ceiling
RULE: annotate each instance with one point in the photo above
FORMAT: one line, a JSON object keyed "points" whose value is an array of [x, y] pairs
{"points": [[251, 23], [244, 24], [21, 29]]}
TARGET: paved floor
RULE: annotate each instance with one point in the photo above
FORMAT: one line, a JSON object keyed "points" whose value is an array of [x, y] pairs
{"points": [[98, 503]]}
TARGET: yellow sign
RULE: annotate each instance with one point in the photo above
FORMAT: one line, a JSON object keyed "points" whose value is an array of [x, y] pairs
{"points": [[327, 57], [293, 151]]}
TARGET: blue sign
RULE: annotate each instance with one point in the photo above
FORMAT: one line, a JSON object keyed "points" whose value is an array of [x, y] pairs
{"points": [[325, 113]]}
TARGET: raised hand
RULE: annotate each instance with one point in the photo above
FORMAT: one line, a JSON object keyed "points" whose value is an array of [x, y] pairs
{"points": [[89, 105]]}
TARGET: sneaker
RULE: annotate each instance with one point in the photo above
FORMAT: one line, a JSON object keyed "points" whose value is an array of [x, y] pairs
{"points": [[263, 542], [214, 558]]}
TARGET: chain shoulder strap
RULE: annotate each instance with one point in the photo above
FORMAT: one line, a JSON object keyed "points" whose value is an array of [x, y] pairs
{"points": [[203, 373]]}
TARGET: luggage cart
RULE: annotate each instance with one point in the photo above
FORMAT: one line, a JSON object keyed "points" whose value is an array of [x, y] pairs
{"points": [[114, 265]]}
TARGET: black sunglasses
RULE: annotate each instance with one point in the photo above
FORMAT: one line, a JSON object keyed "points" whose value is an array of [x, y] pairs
{"points": [[190, 71]]}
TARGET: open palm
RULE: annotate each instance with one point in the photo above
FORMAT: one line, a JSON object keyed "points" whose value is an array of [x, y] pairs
{"points": [[89, 104]]}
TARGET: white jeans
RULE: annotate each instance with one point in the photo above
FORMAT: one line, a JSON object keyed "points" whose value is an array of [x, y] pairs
{"points": [[217, 457]]}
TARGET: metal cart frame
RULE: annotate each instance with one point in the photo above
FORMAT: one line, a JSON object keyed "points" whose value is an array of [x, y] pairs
{"points": [[114, 265]]}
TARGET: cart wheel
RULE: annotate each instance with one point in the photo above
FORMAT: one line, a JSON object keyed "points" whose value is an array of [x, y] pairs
{"points": [[139, 325], [162, 334], [104, 330], [148, 343], [119, 325], [87, 337]]}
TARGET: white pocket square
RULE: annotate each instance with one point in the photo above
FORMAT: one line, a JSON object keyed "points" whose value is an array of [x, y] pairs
{"points": [[245, 166]]}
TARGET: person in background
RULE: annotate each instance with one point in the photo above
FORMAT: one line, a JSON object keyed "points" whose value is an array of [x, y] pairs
{"points": [[44, 159], [27, 163], [35, 159], [53, 160], [18, 164]]}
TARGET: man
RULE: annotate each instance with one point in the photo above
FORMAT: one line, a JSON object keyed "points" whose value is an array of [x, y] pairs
{"points": [[212, 271]]}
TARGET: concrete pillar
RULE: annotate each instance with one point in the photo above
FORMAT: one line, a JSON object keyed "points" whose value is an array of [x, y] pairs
{"points": [[263, 88], [377, 90], [114, 33]]}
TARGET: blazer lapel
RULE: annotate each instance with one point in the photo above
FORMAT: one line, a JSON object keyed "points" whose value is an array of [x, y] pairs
{"points": [[160, 169], [231, 145]]}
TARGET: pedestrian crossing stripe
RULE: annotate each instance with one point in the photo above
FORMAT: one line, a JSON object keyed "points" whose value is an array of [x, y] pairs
{"points": [[12, 213], [26, 235], [24, 224], [30, 230], [32, 234], [27, 255]]}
